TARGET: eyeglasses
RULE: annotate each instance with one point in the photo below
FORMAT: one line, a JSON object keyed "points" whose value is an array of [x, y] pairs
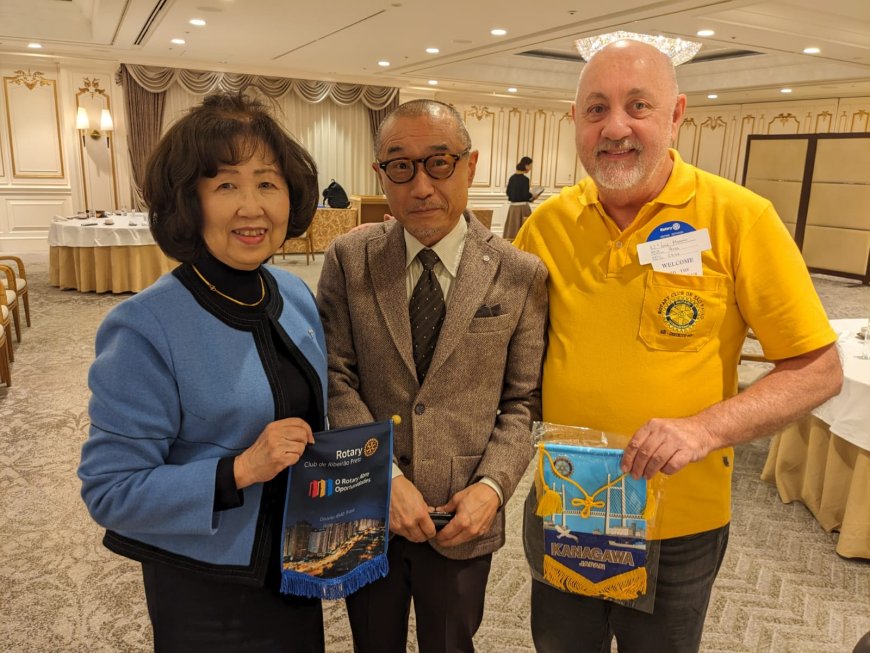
{"points": [[437, 166]]}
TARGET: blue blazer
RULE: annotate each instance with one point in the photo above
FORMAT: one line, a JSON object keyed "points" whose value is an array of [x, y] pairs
{"points": [[175, 389]]}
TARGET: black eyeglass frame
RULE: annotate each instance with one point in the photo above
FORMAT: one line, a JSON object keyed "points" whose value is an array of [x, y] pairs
{"points": [[456, 158]]}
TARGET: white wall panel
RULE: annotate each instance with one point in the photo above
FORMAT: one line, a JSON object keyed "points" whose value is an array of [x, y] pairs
{"points": [[33, 125], [481, 122], [853, 115]]}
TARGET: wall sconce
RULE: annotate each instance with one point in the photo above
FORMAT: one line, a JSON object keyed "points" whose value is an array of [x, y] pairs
{"points": [[83, 123]]}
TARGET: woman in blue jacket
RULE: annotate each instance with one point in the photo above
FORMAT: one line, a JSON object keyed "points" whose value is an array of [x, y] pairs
{"points": [[209, 384]]}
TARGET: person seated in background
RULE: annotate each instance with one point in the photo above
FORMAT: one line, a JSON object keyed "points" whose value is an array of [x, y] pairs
{"points": [[208, 385], [434, 318], [520, 195]]}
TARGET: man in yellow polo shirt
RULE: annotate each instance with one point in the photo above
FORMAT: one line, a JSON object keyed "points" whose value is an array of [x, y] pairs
{"points": [[657, 269]]}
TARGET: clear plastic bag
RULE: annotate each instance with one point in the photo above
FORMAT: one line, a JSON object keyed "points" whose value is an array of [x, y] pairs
{"points": [[596, 518]]}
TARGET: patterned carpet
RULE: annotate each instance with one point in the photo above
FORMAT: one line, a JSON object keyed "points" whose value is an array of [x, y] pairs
{"points": [[782, 588]]}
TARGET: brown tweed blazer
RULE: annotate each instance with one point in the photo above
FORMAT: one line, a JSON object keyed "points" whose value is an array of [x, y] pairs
{"points": [[472, 415]]}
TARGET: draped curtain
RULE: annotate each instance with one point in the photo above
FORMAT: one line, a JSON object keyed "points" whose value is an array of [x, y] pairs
{"points": [[144, 112], [334, 121], [201, 82], [376, 116]]}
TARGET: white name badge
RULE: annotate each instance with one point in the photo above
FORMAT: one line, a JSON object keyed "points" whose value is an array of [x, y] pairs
{"points": [[676, 254]]}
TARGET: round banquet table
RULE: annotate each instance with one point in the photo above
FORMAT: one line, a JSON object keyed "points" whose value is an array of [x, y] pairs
{"points": [[91, 255], [823, 460]]}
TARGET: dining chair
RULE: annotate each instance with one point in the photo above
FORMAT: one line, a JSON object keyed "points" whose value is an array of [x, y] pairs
{"points": [[5, 369], [484, 216], [299, 245], [20, 284], [6, 324], [11, 297]]}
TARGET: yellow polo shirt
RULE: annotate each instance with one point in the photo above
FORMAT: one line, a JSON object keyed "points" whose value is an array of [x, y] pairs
{"points": [[627, 343]]}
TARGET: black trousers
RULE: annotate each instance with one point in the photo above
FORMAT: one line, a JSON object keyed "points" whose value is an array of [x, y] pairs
{"points": [[190, 613], [448, 601], [563, 622]]}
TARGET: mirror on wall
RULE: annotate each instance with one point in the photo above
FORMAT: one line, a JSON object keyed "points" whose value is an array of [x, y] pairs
{"points": [[95, 126]]}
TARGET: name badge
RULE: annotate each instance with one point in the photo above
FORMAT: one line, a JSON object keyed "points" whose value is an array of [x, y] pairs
{"points": [[675, 248]]}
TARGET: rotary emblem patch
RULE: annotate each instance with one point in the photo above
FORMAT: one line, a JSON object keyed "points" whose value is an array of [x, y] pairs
{"points": [[681, 312]]}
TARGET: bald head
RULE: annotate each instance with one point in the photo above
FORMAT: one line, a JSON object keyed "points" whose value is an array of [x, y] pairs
{"points": [[646, 60], [431, 108]]}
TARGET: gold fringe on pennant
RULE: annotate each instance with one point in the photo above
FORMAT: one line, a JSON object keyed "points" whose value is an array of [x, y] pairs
{"points": [[549, 501], [625, 586]]}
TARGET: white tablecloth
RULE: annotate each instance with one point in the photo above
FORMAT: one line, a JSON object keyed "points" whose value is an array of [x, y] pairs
{"points": [[848, 414], [73, 232]]}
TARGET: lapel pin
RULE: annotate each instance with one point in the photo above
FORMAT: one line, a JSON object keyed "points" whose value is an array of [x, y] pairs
{"points": [[486, 257]]}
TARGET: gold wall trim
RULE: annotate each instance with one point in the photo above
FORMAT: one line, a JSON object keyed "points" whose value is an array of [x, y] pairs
{"points": [[30, 81], [481, 113]]}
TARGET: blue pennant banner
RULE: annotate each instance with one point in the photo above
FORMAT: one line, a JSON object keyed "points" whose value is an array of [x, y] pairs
{"points": [[595, 522], [336, 517]]}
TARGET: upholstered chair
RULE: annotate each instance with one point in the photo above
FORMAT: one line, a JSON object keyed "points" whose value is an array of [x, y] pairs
{"points": [[5, 370], [299, 245], [10, 297], [6, 324], [20, 283]]}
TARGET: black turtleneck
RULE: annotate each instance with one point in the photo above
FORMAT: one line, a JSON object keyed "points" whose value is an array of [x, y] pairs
{"points": [[243, 285]]}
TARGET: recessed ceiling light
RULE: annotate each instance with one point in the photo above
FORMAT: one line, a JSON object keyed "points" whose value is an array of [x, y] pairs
{"points": [[433, 82], [433, 50], [785, 90], [179, 41], [34, 46], [199, 22], [498, 31], [811, 50], [512, 89], [712, 96], [384, 63], [705, 32]]}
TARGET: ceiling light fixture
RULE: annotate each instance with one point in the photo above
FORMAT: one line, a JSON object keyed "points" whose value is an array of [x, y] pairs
{"points": [[677, 49], [705, 32], [179, 41], [433, 50], [384, 63], [811, 50], [199, 22], [34, 46], [712, 96], [498, 31], [785, 90], [433, 82], [512, 89]]}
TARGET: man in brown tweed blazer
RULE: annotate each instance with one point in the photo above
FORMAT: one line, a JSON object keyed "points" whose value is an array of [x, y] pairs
{"points": [[464, 437]]}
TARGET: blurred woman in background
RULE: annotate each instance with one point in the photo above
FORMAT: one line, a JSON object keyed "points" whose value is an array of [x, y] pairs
{"points": [[519, 195]]}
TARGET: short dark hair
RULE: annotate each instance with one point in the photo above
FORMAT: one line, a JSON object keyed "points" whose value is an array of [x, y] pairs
{"points": [[524, 163], [424, 107], [226, 129]]}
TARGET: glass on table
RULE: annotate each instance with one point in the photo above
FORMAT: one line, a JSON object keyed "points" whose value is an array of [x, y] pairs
{"points": [[864, 334]]}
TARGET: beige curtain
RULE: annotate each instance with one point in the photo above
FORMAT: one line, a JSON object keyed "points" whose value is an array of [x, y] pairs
{"points": [[144, 112], [157, 80], [376, 116]]}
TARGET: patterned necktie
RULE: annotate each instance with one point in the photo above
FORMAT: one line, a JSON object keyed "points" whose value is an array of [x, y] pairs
{"points": [[426, 310]]}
